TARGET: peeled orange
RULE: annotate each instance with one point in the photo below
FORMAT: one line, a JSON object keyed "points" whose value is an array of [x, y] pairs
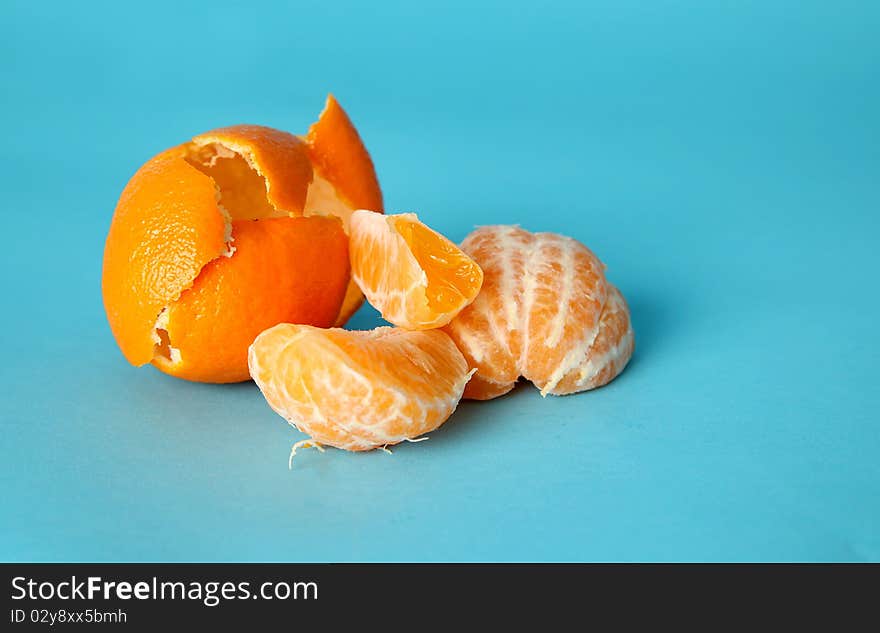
{"points": [[545, 312], [414, 276], [239, 229], [359, 390]]}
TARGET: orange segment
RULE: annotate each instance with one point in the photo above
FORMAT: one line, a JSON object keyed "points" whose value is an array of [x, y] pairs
{"points": [[414, 276], [359, 390], [545, 313], [564, 293], [167, 226], [609, 352], [283, 269]]}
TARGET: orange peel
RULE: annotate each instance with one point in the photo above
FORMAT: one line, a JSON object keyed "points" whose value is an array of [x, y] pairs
{"points": [[186, 226], [345, 179]]}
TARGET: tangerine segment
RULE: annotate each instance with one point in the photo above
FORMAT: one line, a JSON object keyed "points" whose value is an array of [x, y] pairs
{"points": [[283, 270], [545, 313], [414, 276], [166, 228], [359, 390], [609, 352]]}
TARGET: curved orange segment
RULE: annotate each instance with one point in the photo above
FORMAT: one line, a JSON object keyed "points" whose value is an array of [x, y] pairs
{"points": [[359, 390], [414, 276], [166, 228], [283, 270]]}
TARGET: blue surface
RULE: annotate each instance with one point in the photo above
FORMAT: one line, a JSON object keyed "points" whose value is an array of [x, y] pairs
{"points": [[721, 158]]}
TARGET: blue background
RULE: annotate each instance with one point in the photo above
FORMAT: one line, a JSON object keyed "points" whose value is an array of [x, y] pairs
{"points": [[722, 158]]}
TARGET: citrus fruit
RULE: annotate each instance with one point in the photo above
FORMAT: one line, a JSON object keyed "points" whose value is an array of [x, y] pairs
{"points": [[359, 390], [243, 227], [545, 312], [414, 276]]}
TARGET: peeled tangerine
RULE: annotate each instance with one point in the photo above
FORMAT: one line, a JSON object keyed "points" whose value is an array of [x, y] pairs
{"points": [[359, 390], [545, 312], [414, 276], [237, 230]]}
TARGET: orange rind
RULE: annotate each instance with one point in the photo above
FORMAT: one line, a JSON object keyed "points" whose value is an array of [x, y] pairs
{"points": [[281, 271], [219, 238], [345, 179]]}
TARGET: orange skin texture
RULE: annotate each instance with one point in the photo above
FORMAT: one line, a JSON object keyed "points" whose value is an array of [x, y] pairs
{"points": [[339, 155], [169, 234], [279, 273], [166, 228]]}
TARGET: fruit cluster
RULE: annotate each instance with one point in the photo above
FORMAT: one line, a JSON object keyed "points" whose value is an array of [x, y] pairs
{"points": [[241, 253]]}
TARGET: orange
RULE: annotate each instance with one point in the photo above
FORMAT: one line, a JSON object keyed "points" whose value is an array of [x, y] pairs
{"points": [[545, 312], [414, 276], [359, 390], [240, 228]]}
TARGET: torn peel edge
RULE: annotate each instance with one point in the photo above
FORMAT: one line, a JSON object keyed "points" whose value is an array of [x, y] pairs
{"points": [[163, 352], [228, 237], [236, 172], [242, 186], [239, 180], [323, 199], [337, 150], [203, 155]]}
